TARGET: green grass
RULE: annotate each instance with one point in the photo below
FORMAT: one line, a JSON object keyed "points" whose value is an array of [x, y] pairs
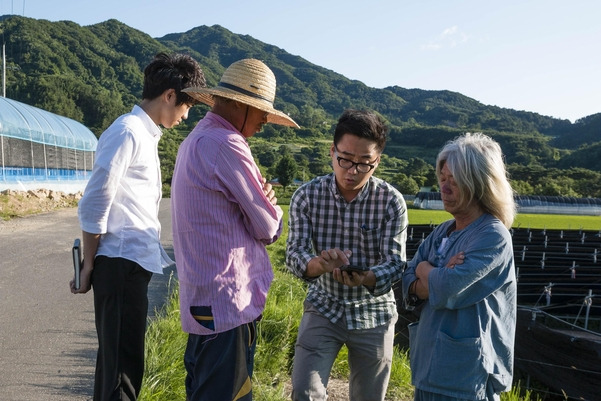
{"points": [[5, 214], [555, 221], [9, 207], [19, 204], [549, 221], [165, 344]]}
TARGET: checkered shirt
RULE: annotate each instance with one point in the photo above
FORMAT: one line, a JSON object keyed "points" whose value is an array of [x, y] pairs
{"points": [[373, 226]]}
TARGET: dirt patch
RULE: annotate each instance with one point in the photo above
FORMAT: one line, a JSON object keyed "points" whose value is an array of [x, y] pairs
{"points": [[24, 203], [337, 389]]}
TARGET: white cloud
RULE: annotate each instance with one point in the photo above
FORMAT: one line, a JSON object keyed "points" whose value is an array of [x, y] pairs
{"points": [[449, 32], [448, 38]]}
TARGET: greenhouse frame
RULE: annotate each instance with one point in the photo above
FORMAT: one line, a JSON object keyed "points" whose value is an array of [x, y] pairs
{"points": [[42, 150], [527, 204]]}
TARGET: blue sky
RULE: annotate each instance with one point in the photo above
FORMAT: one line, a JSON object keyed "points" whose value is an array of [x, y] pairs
{"points": [[542, 56]]}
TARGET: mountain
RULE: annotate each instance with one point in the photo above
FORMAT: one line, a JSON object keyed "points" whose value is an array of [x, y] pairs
{"points": [[94, 73]]}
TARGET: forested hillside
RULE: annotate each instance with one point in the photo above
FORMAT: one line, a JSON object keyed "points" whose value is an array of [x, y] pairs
{"points": [[94, 73]]}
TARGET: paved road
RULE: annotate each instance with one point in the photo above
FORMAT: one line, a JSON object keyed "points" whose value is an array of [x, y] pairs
{"points": [[47, 335]]}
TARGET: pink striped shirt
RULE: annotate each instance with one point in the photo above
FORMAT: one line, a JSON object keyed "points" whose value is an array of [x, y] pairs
{"points": [[222, 221]]}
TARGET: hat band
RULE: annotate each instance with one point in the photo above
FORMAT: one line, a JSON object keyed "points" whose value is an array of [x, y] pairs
{"points": [[244, 91]]}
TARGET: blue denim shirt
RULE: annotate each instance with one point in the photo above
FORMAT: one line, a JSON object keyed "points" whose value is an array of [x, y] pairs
{"points": [[464, 340]]}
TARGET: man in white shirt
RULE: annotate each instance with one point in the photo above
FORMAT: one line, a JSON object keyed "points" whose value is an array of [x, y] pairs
{"points": [[118, 216]]}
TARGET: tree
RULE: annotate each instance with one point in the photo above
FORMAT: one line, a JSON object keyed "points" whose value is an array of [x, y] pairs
{"points": [[417, 166], [320, 167], [286, 170], [522, 187], [406, 185]]}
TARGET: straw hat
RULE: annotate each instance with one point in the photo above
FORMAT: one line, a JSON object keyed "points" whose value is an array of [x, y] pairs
{"points": [[247, 81]]}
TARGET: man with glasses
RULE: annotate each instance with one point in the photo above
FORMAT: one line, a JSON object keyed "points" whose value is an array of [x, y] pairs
{"points": [[347, 233]]}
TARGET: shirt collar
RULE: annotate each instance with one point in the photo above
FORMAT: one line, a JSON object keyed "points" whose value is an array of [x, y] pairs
{"points": [[217, 119], [360, 196], [151, 127]]}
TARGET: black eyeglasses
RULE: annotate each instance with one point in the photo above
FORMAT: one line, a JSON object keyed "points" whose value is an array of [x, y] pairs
{"points": [[349, 164]]}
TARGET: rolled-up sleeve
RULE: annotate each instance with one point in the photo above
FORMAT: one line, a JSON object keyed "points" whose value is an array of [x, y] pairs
{"points": [[299, 246]]}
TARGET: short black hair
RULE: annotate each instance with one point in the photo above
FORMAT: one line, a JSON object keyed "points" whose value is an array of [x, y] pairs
{"points": [[172, 71], [364, 124]]}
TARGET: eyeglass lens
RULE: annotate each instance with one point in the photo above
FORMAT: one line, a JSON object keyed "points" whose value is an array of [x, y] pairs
{"points": [[348, 164]]}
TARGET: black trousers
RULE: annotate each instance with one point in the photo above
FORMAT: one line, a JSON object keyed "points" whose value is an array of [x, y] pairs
{"points": [[121, 307]]}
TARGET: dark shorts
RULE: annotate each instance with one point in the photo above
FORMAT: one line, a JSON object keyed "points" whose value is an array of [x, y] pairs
{"points": [[219, 366]]}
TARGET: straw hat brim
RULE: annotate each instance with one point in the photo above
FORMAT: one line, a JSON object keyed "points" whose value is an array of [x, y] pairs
{"points": [[205, 95]]}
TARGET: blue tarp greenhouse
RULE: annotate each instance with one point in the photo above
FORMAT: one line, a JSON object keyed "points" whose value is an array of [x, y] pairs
{"points": [[40, 149]]}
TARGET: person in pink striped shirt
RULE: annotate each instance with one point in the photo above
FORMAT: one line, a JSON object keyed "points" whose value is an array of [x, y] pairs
{"points": [[224, 213]]}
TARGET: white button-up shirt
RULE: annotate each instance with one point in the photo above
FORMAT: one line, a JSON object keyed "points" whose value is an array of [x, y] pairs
{"points": [[121, 200]]}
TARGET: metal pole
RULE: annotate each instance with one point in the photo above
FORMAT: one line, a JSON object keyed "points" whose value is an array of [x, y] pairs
{"points": [[2, 153], [3, 70], [589, 301]]}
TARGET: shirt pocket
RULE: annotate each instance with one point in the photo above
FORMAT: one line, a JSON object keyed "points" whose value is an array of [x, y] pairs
{"points": [[457, 364], [370, 244], [203, 315]]}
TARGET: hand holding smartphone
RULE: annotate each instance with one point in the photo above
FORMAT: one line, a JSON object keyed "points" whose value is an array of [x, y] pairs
{"points": [[354, 268], [77, 262]]}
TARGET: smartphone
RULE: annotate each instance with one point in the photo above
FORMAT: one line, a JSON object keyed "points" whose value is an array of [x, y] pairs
{"points": [[77, 265], [354, 268]]}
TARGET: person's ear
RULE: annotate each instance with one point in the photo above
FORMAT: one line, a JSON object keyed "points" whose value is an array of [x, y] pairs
{"points": [[169, 95]]}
